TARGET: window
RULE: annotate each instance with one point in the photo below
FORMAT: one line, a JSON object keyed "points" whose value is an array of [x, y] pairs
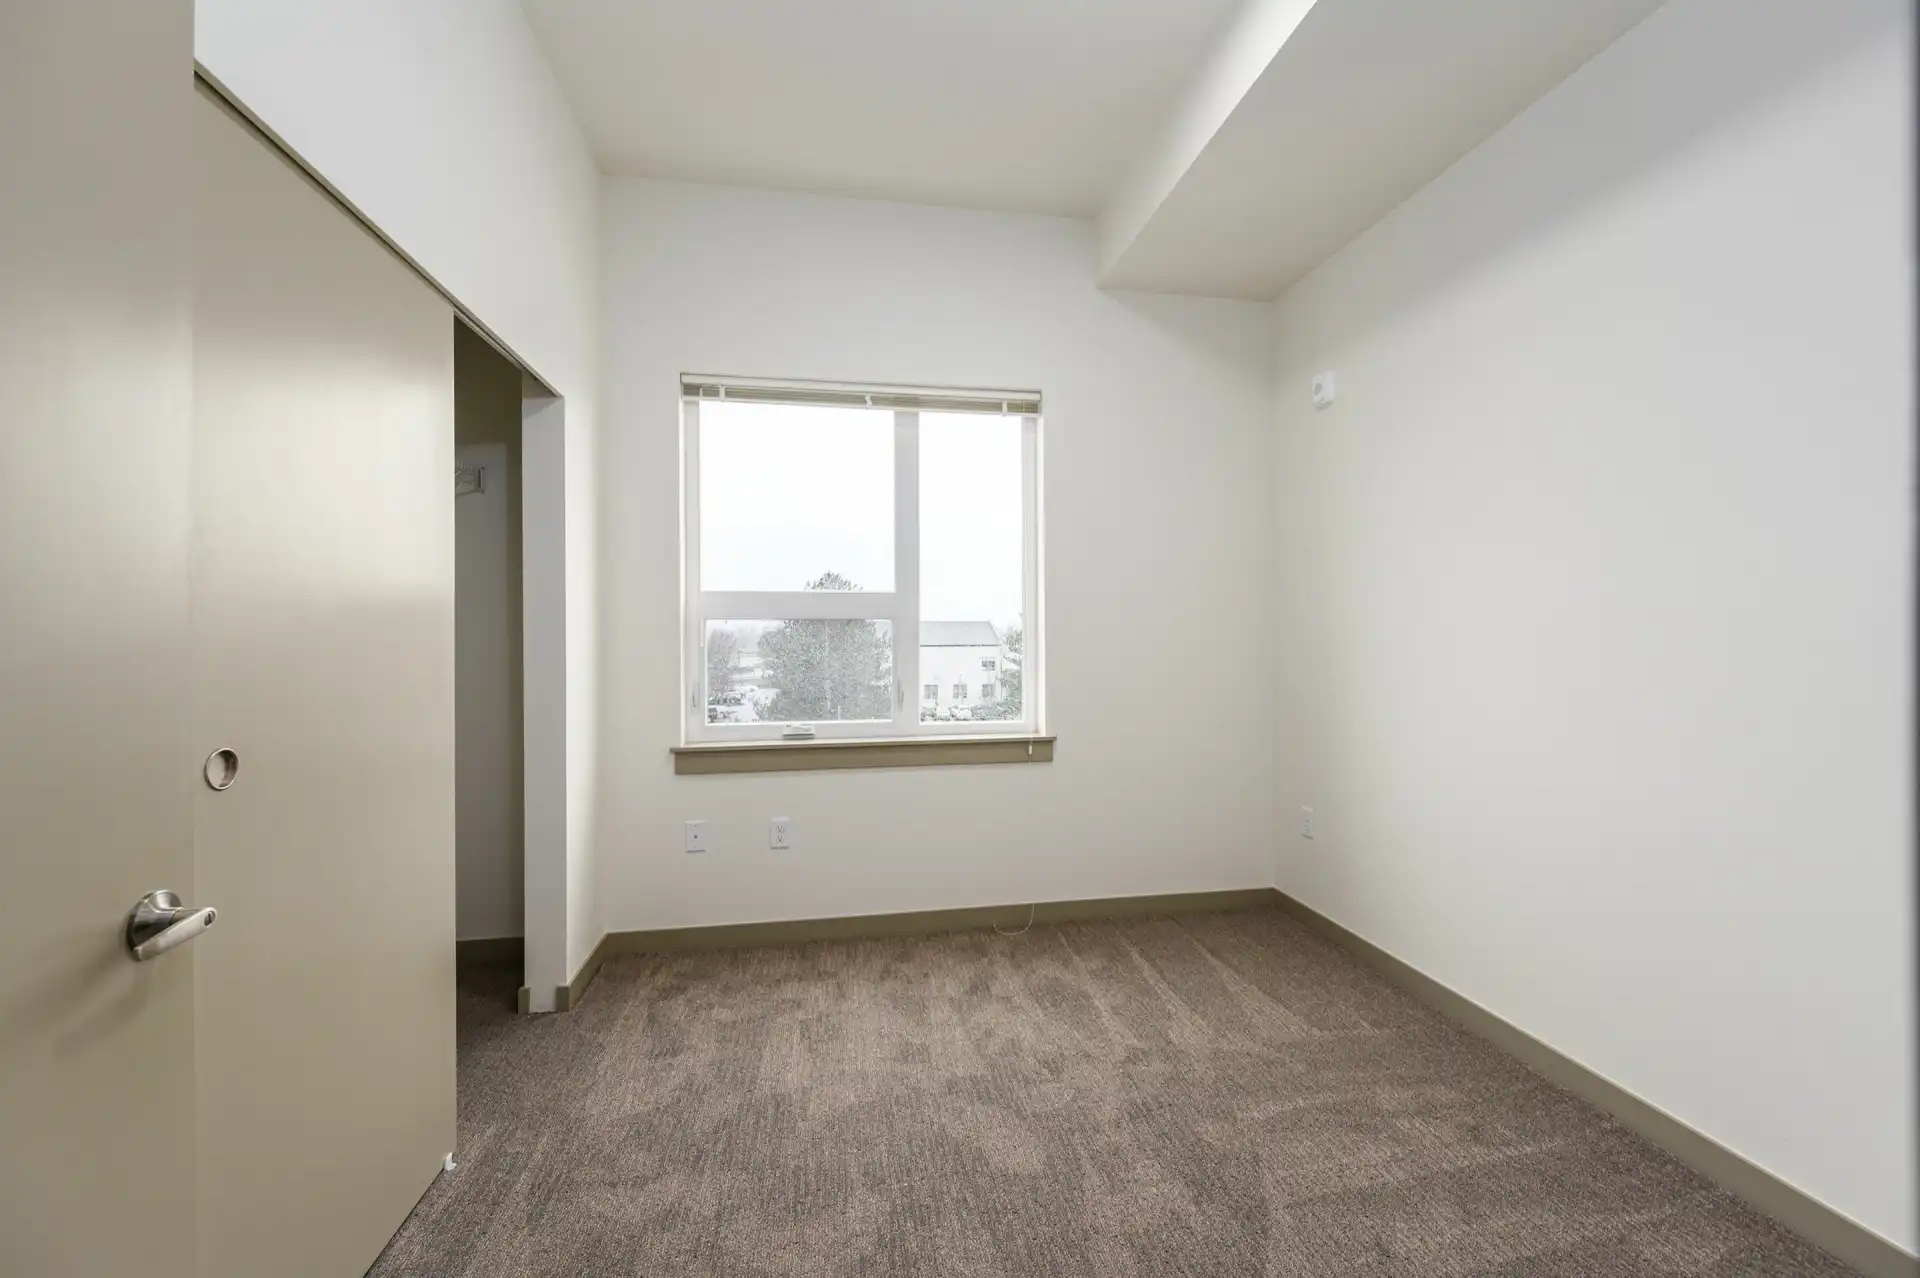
{"points": [[847, 544]]}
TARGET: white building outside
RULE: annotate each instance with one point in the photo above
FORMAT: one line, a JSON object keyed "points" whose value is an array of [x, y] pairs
{"points": [[961, 666]]}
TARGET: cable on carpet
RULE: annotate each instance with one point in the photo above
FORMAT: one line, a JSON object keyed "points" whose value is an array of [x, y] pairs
{"points": [[1031, 910]]}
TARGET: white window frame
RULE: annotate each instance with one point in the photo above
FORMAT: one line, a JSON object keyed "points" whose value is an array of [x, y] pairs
{"points": [[899, 606]]}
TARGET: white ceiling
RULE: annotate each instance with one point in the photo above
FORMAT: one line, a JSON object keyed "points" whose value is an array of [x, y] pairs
{"points": [[1363, 103], [1227, 146], [1034, 105]]}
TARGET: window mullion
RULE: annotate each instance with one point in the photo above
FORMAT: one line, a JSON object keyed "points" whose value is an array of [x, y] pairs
{"points": [[906, 570], [798, 605], [693, 622]]}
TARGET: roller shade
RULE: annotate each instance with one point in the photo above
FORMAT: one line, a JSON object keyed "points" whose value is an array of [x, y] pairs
{"points": [[1018, 403]]}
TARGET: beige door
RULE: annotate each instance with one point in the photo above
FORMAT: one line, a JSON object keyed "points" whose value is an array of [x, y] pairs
{"points": [[322, 639], [96, 1051]]}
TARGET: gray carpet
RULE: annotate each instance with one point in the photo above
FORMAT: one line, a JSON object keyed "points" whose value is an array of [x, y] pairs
{"points": [[1222, 1094]]}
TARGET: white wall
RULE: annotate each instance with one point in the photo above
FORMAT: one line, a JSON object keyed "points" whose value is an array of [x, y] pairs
{"points": [[1159, 552], [1596, 583], [489, 872], [442, 123]]}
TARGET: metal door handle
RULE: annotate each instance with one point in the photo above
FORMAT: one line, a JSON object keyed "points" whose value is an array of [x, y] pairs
{"points": [[158, 923]]}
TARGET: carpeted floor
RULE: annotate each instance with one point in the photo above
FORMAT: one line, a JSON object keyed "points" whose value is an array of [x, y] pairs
{"points": [[1221, 1094]]}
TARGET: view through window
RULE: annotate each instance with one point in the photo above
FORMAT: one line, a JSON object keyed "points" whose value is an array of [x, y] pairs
{"points": [[859, 562]]}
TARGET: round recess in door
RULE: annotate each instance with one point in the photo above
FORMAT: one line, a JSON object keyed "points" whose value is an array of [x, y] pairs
{"points": [[223, 766]]}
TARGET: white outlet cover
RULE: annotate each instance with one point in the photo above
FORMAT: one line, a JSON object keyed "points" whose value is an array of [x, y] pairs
{"points": [[779, 833], [696, 836], [1306, 823], [1323, 389]]}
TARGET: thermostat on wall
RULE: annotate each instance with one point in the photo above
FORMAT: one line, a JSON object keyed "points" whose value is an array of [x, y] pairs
{"points": [[1322, 389]]}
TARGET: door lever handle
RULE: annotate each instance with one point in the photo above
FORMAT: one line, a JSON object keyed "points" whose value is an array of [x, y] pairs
{"points": [[158, 923]]}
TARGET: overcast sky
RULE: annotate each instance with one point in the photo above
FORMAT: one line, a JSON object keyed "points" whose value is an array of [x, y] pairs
{"points": [[789, 493]]}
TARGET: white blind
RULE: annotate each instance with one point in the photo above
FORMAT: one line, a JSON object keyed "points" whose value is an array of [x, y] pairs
{"points": [[1020, 403]]}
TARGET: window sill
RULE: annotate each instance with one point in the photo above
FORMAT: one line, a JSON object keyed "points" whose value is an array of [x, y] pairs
{"points": [[817, 756]]}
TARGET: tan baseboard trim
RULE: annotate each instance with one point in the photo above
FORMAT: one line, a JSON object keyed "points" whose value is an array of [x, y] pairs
{"points": [[732, 936], [1813, 1220], [741, 936], [567, 997], [494, 951]]}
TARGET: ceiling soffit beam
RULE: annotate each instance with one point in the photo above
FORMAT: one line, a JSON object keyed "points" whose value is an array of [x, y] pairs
{"points": [[1248, 43]]}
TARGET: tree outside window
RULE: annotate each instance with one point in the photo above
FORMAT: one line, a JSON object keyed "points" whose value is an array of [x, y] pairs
{"points": [[828, 670]]}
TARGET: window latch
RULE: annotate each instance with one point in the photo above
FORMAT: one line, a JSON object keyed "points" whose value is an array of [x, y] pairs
{"points": [[797, 732]]}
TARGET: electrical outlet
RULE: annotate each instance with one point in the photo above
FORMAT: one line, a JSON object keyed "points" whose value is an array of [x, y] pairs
{"points": [[779, 833], [696, 836], [1306, 823]]}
